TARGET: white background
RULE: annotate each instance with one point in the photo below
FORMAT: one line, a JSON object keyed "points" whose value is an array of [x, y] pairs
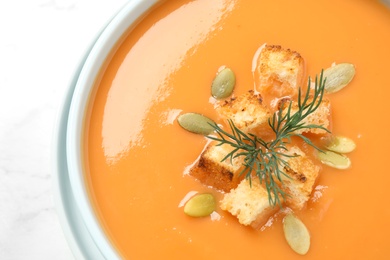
{"points": [[41, 43]]}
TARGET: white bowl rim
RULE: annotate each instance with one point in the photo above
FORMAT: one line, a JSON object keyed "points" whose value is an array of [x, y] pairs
{"points": [[117, 27]]}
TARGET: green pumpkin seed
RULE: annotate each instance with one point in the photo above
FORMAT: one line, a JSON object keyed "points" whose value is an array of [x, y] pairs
{"points": [[196, 123], [201, 205], [296, 234], [338, 76], [335, 160], [223, 84], [341, 144]]}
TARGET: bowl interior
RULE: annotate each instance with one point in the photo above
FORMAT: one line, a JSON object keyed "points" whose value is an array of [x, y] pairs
{"points": [[113, 36]]}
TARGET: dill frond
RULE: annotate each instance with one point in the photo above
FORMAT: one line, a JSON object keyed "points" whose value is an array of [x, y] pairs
{"points": [[267, 159]]}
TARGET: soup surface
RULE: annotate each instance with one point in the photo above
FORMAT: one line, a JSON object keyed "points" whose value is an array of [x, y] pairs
{"points": [[136, 154]]}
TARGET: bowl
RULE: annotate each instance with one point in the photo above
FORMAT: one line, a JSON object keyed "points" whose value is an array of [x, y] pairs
{"points": [[81, 227], [90, 235]]}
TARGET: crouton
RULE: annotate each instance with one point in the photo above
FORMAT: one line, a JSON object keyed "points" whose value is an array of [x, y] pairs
{"points": [[321, 116], [279, 71], [246, 111], [212, 171], [249, 203], [302, 175]]}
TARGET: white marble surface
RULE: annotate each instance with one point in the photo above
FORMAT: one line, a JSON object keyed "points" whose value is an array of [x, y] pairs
{"points": [[41, 43]]}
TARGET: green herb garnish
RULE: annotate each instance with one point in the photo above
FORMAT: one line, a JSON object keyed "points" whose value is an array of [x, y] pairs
{"points": [[267, 159]]}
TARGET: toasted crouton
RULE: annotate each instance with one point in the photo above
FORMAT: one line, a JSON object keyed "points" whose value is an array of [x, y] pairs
{"points": [[278, 71], [249, 203], [212, 171], [246, 111], [321, 117], [303, 174]]}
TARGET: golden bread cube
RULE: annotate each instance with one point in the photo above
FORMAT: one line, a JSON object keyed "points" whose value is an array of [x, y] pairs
{"points": [[246, 111], [212, 171], [278, 71], [321, 117], [302, 175], [249, 203]]}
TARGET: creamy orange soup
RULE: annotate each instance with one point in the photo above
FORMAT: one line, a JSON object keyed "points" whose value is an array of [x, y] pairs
{"points": [[136, 154]]}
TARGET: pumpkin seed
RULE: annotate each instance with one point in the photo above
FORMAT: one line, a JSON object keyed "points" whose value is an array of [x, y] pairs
{"points": [[296, 234], [196, 123], [338, 76], [201, 205], [341, 144], [223, 84], [335, 160]]}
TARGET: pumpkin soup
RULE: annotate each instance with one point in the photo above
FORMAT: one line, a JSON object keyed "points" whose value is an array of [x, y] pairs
{"points": [[264, 159], [137, 156]]}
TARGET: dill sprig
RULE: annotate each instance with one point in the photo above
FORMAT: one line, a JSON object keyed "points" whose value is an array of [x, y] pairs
{"points": [[267, 159]]}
